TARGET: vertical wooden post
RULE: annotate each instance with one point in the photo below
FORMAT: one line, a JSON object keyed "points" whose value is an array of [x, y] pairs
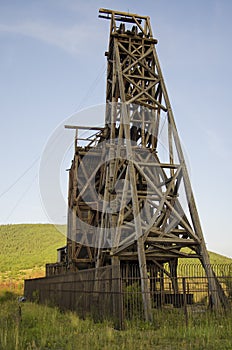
{"points": [[185, 301], [117, 294], [144, 280]]}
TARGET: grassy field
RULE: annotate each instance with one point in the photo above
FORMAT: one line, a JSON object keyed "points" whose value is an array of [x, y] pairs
{"points": [[40, 327]]}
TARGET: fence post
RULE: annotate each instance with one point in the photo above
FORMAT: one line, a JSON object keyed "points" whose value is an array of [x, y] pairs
{"points": [[185, 301], [117, 294]]}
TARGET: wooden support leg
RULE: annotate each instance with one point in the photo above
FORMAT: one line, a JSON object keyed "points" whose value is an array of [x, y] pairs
{"points": [[117, 293], [145, 286]]}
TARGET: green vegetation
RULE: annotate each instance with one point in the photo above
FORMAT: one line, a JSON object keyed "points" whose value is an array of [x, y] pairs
{"points": [[25, 249], [28, 246], [214, 259], [39, 327], [31, 246]]}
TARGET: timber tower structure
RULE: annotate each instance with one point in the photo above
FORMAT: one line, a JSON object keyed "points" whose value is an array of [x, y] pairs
{"points": [[130, 196]]}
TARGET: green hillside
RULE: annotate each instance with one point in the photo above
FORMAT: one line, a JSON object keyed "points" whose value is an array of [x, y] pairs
{"points": [[215, 258], [29, 246]]}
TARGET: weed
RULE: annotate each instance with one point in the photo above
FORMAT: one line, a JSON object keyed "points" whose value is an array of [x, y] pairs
{"points": [[43, 327]]}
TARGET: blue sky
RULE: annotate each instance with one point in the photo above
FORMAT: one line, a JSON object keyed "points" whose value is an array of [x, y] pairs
{"points": [[52, 65]]}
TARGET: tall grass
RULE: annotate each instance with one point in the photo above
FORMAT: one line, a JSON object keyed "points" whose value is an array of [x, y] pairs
{"points": [[26, 248], [43, 327]]}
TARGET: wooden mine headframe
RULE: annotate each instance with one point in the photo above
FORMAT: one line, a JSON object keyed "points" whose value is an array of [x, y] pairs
{"points": [[130, 196]]}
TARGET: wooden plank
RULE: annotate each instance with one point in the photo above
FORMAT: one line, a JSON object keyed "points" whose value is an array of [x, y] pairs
{"points": [[126, 14], [157, 164], [182, 241], [81, 127], [121, 210], [117, 294]]}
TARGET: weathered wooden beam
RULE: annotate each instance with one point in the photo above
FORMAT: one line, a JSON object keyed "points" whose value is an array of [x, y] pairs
{"points": [[182, 241], [81, 127], [126, 14]]}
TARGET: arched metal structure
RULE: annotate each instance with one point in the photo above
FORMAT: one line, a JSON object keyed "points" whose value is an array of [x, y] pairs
{"points": [[130, 196]]}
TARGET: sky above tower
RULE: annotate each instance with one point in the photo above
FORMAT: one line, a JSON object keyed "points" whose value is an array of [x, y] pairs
{"points": [[52, 66]]}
